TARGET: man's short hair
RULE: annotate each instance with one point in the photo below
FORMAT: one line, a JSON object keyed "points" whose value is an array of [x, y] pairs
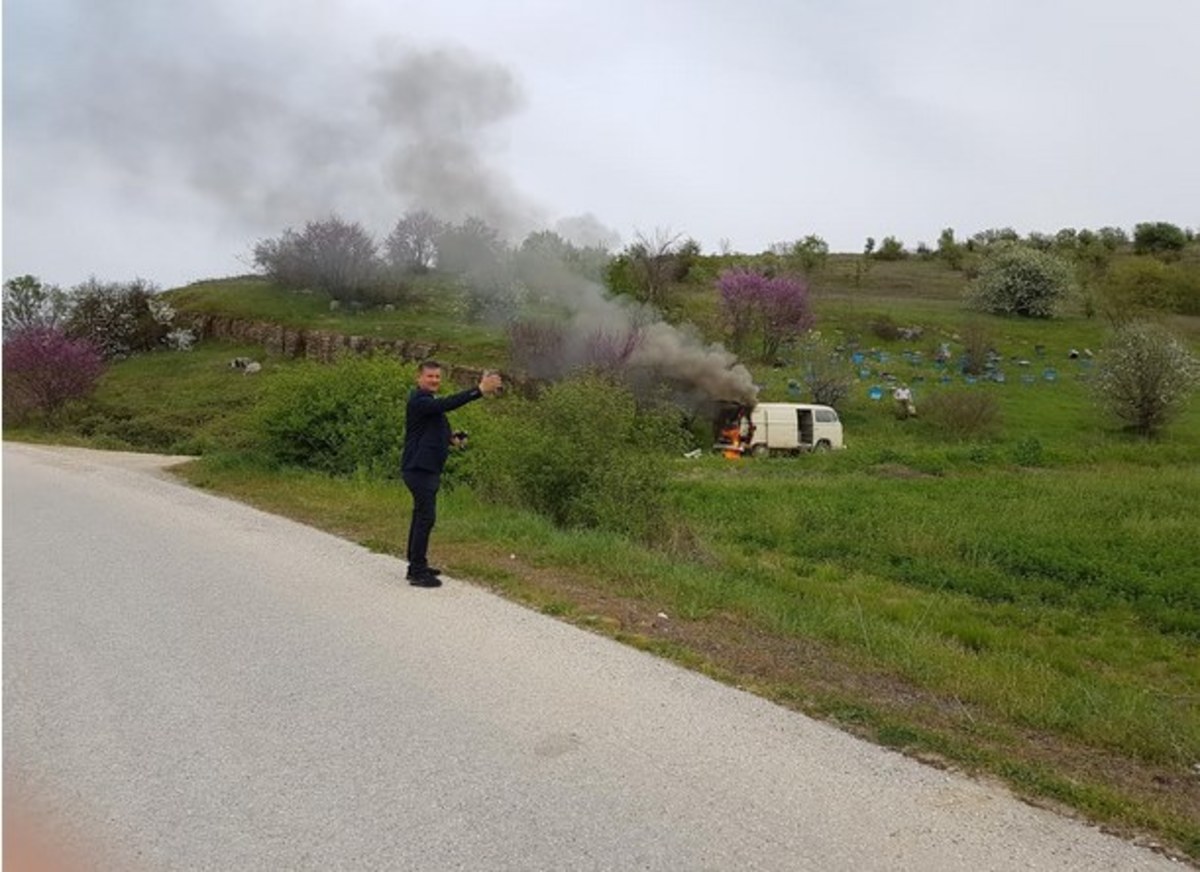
{"points": [[426, 365]]}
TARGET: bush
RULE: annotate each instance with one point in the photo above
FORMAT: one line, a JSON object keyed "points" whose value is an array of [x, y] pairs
{"points": [[345, 418], [964, 414], [1018, 280], [885, 327], [583, 455], [977, 345], [826, 375], [333, 255], [44, 369], [1134, 287], [1145, 376], [119, 318]]}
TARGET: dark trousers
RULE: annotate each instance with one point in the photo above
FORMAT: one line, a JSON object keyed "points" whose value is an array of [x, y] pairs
{"points": [[424, 487]]}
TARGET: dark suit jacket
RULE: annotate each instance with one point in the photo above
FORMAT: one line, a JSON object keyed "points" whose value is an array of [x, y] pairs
{"points": [[427, 431]]}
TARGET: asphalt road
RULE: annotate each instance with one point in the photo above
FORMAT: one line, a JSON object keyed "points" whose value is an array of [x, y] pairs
{"points": [[193, 684]]}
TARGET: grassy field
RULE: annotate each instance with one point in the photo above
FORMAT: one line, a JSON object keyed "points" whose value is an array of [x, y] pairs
{"points": [[1024, 603]]}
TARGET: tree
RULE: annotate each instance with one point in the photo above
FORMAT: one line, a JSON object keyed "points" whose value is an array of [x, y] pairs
{"points": [[950, 251], [862, 267], [1040, 241], [545, 257], [773, 309], [891, 249], [411, 247], [335, 256], [1066, 239], [119, 318], [809, 254], [1158, 237], [647, 268], [473, 249], [44, 369], [1018, 280], [28, 302], [1134, 288], [1145, 376], [1113, 238], [986, 239]]}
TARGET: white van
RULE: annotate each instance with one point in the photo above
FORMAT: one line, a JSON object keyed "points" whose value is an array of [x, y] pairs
{"points": [[788, 428]]}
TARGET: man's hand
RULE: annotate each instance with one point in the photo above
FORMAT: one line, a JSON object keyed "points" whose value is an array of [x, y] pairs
{"points": [[490, 383]]}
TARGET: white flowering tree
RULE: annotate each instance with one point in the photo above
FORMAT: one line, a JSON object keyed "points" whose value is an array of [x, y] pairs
{"points": [[1018, 280], [1145, 376]]}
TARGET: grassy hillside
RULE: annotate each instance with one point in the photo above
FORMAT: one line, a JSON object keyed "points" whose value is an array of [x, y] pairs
{"points": [[432, 311], [1023, 602]]}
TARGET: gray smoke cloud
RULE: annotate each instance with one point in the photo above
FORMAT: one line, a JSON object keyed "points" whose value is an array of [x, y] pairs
{"points": [[440, 108], [271, 139]]}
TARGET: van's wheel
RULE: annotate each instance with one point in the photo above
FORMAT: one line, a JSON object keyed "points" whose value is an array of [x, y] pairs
{"points": [[760, 450], [823, 446]]}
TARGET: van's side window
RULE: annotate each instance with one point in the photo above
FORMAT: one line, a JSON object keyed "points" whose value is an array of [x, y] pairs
{"points": [[827, 416]]}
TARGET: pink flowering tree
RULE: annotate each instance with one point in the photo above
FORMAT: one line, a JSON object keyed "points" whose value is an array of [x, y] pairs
{"points": [[771, 310], [44, 369]]}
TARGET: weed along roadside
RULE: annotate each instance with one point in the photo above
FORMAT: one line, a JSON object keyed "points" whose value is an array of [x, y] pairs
{"points": [[1003, 583]]}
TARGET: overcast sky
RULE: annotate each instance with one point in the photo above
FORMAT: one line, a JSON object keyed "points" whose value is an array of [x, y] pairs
{"points": [[161, 138]]}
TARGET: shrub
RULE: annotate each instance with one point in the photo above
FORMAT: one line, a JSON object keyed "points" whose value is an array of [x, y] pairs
{"points": [[826, 375], [963, 414], [583, 455], [885, 327], [1018, 280], [340, 419], [1029, 452], [1134, 287], [44, 369], [332, 255], [1145, 376], [119, 318], [977, 345]]}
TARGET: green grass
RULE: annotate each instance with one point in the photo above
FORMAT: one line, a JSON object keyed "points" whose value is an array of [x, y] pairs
{"points": [[1025, 604]]}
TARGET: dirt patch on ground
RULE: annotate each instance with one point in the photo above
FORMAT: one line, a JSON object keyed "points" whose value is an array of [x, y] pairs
{"points": [[814, 678]]}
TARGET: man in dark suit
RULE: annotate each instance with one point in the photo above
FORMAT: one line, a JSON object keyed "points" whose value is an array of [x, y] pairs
{"points": [[427, 442]]}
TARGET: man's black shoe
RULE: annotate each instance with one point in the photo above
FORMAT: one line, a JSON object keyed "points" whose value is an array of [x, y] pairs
{"points": [[424, 581]]}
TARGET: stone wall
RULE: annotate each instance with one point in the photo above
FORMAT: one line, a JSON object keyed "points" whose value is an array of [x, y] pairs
{"points": [[324, 346]]}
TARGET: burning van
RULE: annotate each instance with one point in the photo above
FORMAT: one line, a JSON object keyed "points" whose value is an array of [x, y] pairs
{"points": [[776, 428]]}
